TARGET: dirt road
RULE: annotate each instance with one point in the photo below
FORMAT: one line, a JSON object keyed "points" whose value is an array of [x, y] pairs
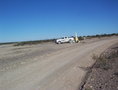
{"points": [[48, 67]]}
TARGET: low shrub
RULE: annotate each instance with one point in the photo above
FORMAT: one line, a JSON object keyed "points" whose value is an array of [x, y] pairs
{"points": [[103, 60]]}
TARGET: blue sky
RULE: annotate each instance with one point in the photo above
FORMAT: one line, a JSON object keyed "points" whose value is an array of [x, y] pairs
{"points": [[22, 20]]}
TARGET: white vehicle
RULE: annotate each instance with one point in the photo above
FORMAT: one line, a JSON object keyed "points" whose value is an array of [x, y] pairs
{"points": [[65, 40]]}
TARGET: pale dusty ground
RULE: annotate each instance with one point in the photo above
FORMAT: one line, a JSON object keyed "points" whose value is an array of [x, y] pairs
{"points": [[48, 66]]}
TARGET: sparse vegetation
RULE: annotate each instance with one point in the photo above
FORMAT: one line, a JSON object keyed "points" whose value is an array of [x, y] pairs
{"points": [[104, 73], [7, 43], [52, 40], [102, 60], [101, 35], [97, 36], [81, 38], [33, 42]]}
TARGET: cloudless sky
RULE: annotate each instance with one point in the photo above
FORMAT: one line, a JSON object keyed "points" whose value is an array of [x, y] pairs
{"points": [[22, 20]]}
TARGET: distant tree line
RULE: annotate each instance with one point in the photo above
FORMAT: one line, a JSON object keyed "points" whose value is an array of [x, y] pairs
{"points": [[97, 36], [52, 40], [33, 42], [7, 43]]}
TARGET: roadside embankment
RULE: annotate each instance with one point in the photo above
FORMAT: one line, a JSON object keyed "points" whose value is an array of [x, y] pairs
{"points": [[103, 75]]}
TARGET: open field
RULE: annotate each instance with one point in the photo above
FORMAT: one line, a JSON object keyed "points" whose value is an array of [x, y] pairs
{"points": [[48, 66]]}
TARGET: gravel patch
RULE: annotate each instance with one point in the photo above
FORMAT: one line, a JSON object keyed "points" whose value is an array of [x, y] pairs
{"points": [[103, 75]]}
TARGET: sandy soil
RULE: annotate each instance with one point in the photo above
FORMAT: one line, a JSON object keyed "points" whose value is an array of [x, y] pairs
{"points": [[48, 66]]}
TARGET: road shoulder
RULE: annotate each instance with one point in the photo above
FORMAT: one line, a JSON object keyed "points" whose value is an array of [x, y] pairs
{"points": [[103, 75]]}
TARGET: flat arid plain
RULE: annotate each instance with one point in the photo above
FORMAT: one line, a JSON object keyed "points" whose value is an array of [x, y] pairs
{"points": [[49, 66]]}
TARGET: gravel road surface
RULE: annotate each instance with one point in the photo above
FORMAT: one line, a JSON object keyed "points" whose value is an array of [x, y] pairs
{"points": [[48, 66]]}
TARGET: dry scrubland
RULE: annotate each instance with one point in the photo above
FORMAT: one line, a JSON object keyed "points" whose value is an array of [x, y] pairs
{"points": [[48, 66]]}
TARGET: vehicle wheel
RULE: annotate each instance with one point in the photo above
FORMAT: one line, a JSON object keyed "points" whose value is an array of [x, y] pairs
{"points": [[71, 41], [59, 42]]}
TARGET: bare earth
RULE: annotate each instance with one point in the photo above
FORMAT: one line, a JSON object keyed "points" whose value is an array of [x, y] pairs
{"points": [[48, 66]]}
